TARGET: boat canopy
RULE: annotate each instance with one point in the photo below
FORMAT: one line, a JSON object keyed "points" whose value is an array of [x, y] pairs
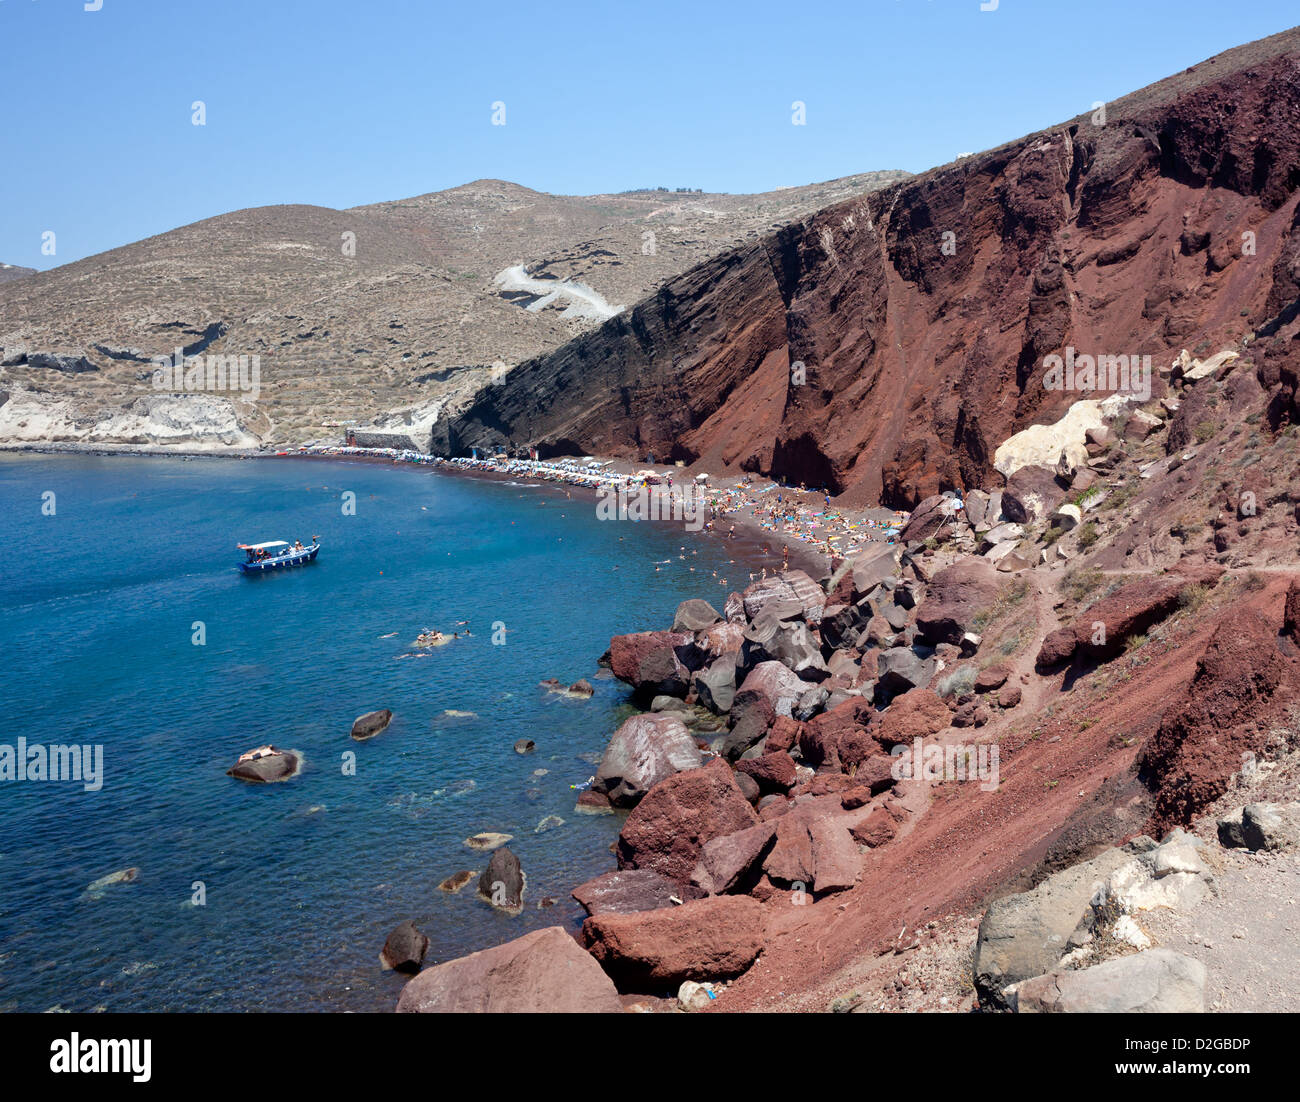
{"points": [[261, 546]]}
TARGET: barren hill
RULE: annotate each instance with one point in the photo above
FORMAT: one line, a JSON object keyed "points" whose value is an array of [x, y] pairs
{"points": [[353, 313], [922, 313], [13, 271]]}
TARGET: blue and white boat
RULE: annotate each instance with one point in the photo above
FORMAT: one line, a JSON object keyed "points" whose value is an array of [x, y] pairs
{"points": [[275, 554]]}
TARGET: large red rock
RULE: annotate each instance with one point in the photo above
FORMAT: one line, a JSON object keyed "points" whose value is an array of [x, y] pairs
{"points": [[876, 829], [791, 858], [814, 848], [650, 661], [774, 771], [731, 862], [836, 863], [956, 595], [667, 830], [709, 939], [994, 677], [545, 972], [626, 891], [875, 773], [783, 734], [845, 726], [918, 713], [928, 519], [1101, 630]]}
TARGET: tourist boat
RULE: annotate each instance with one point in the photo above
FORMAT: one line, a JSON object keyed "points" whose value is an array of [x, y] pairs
{"points": [[275, 554]]}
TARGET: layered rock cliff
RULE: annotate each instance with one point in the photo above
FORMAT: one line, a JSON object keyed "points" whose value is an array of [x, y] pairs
{"points": [[885, 346]]}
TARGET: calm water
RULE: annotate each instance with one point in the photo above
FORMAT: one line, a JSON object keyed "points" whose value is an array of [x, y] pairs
{"points": [[303, 879]]}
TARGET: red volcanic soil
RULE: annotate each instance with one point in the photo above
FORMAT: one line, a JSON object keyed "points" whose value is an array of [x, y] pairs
{"points": [[1125, 238], [1068, 788]]}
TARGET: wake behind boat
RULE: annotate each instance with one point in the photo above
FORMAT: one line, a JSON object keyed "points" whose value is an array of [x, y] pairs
{"points": [[275, 554]]}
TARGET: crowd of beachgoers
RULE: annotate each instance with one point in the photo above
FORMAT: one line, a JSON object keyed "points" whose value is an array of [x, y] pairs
{"points": [[789, 513]]}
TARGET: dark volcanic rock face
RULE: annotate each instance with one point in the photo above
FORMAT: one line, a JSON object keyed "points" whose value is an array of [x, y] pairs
{"points": [[1244, 680], [887, 345]]}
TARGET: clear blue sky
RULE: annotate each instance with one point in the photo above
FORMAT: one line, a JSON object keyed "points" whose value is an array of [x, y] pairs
{"points": [[343, 102]]}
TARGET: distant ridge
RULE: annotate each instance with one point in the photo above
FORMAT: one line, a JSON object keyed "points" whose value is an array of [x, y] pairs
{"points": [[352, 313]]}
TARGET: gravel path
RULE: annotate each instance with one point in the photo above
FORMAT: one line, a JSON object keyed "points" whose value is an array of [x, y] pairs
{"points": [[1245, 932]]}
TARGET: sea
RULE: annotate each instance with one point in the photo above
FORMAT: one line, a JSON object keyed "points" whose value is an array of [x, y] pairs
{"points": [[126, 626]]}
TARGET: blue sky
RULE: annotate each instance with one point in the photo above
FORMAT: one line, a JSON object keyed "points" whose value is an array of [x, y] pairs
{"points": [[342, 103]]}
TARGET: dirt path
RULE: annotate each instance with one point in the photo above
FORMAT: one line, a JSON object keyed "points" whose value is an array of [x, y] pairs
{"points": [[1245, 933]]}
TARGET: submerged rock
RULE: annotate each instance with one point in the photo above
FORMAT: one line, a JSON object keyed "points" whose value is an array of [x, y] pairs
{"points": [[369, 725], [488, 840], [456, 881], [122, 876]]}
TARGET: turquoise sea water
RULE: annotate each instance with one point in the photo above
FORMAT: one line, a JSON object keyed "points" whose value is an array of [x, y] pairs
{"points": [[303, 879]]}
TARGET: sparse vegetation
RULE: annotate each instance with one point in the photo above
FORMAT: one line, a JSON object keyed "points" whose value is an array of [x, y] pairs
{"points": [[1088, 534], [1010, 596], [1079, 582], [1120, 497], [957, 683], [1193, 597]]}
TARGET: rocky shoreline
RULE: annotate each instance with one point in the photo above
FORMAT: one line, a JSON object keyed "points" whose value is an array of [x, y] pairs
{"points": [[783, 813], [834, 773]]}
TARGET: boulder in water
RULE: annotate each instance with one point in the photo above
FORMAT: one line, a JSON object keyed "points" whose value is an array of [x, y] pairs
{"points": [[405, 948], [456, 881], [122, 876], [502, 882], [488, 840], [369, 725], [269, 765]]}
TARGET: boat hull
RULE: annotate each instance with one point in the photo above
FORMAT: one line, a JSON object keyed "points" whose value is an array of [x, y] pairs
{"points": [[280, 562]]}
